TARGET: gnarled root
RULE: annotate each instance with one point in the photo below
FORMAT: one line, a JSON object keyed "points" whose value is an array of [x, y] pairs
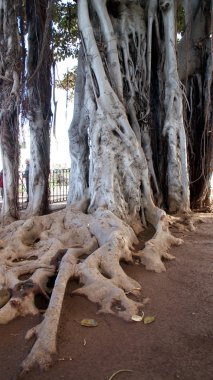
{"points": [[45, 346], [156, 249], [56, 245], [185, 221], [104, 280]]}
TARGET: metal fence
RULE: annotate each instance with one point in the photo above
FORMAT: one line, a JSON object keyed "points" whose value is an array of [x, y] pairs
{"points": [[58, 187]]}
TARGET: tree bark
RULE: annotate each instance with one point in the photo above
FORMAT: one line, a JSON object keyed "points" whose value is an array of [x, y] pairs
{"points": [[39, 102], [78, 137], [178, 178], [118, 128], [194, 53], [10, 69]]}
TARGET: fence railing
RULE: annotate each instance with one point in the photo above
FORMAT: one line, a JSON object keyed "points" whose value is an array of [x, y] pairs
{"points": [[58, 187]]}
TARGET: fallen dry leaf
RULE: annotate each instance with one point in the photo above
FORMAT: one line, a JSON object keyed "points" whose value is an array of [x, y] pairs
{"points": [[89, 323], [149, 319]]}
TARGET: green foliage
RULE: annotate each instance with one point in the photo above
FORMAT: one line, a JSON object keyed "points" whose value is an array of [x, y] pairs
{"points": [[180, 20], [65, 30], [68, 82]]}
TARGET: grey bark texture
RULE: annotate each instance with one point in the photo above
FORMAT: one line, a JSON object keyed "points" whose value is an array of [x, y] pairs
{"points": [[39, 59], [10, 71], [131, 62]]}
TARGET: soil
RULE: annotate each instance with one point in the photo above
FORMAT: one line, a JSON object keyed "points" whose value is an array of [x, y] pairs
{"points": [[178, 345]]}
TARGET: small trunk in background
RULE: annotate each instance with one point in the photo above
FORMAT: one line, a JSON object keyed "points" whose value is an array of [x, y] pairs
{"points": [[39, 102]]}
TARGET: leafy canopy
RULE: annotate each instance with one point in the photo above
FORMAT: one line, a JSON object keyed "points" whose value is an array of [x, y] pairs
{"points": [[65, 30]]}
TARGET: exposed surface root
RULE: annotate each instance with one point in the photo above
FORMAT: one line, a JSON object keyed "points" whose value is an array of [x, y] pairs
{"points": [[71, 244], [185, 221], [156, 248]]}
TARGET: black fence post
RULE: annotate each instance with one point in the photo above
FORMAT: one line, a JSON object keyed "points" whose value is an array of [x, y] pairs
{"points": [[58, 187]]}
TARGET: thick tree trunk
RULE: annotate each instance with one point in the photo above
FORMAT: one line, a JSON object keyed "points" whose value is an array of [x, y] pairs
{"points": [[39, 102], [9, 106], [116, 110], [195, 70], [178, 178], [78, 135]]}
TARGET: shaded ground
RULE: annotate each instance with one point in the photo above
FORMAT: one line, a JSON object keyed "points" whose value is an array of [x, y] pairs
{"points": [[178, 345]]}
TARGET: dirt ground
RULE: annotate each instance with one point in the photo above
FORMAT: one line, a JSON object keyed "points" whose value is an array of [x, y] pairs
{"points": [[178, 345]]}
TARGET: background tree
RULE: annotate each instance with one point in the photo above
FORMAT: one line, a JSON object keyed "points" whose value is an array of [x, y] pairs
{"points": [[39, 60], [46, 44], [10, 72], [32, 93], [129, 150], [195, 72]]}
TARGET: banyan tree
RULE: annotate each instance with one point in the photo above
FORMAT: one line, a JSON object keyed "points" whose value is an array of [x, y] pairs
{"points": [[141, 147]]}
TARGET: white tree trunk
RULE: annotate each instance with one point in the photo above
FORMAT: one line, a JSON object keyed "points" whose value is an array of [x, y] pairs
{"points": [[39, 165], [9, 107], [78, 137], [178, 180]]}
